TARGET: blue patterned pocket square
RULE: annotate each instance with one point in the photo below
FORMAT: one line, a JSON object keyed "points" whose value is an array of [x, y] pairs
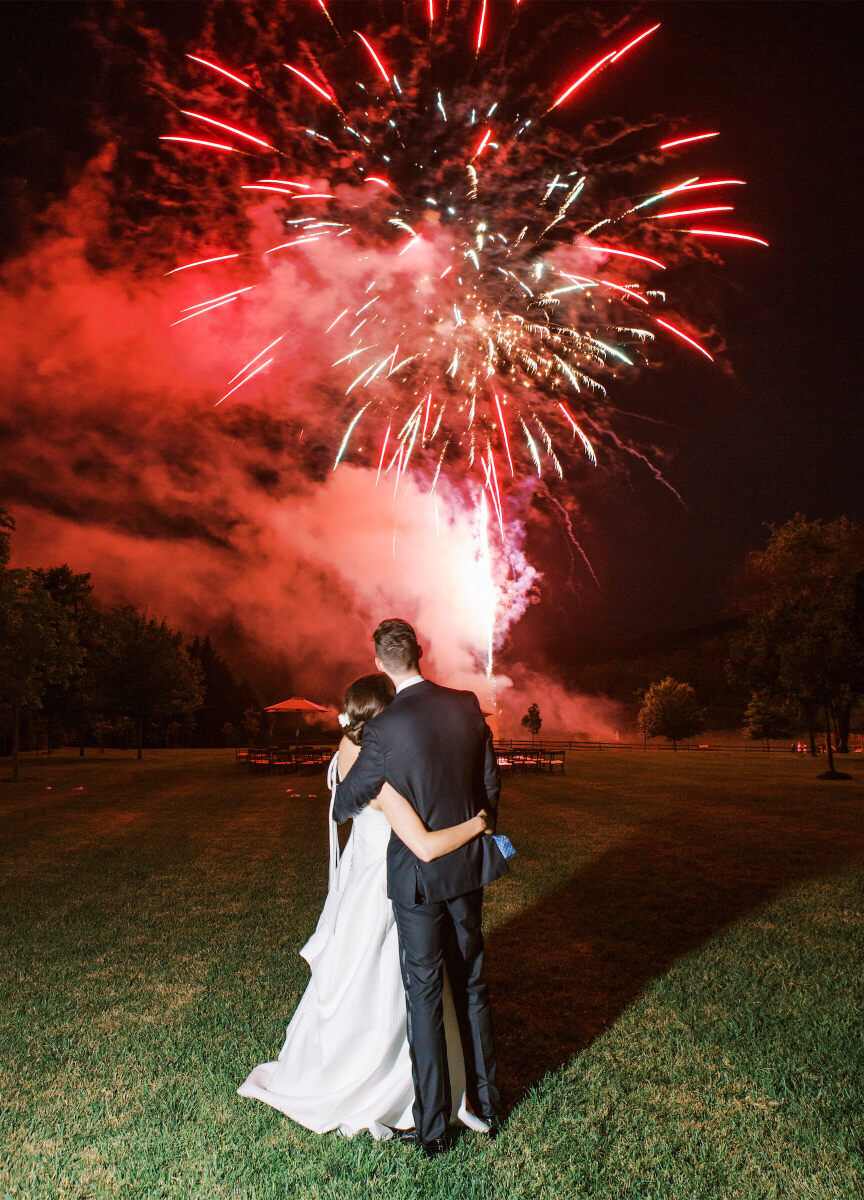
{"points": [[504, 845]]}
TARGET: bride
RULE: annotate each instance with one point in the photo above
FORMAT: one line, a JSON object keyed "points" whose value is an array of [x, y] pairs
{"points": [[345, 1064]]}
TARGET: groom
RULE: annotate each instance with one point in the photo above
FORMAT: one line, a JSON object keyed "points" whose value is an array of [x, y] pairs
{"points": [[433, 745]]}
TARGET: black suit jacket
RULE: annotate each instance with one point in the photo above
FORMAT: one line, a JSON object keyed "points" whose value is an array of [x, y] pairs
{"points": [[433, 745]]}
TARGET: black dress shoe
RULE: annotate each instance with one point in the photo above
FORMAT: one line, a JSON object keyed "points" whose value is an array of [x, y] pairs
{"points": [[406, 1135], [494, 1124], [434, 1148]]}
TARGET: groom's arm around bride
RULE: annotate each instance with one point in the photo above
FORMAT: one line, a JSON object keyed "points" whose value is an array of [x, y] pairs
{"points": [[433, 746]]}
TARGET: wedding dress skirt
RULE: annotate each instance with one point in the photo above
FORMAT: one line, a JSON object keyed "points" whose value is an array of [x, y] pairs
{"points": [[345, 1064]]}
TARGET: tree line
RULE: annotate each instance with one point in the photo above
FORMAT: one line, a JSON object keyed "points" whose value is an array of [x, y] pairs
{"points": [[75, 673], [789, 658]]}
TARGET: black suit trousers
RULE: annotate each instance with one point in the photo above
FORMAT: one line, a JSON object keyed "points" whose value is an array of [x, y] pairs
{"points": [[431, 936]]}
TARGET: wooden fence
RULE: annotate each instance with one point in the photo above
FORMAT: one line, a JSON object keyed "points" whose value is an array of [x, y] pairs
{"points": [[509, 744]]}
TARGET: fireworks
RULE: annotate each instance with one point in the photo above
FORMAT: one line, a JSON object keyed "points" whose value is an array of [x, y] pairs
{"points": [[498, 315], [500, 280]]}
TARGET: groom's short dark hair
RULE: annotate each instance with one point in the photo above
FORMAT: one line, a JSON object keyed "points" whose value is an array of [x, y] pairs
{"points": [[396, 645]]}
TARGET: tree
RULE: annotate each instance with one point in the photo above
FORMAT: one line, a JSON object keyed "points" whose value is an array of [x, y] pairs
{"points": [[670, 710], [764, 719], [38, 648], [145, 672], [803, 596], [224, 699], [7, 527], [532, 721], [698, 655], [251, 725], [69, 708]]}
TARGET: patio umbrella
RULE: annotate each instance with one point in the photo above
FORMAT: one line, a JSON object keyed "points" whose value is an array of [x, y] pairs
{"points": [[296, 704]]}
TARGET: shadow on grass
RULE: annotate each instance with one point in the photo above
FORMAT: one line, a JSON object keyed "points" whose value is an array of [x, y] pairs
{"points": [[585, 952]]}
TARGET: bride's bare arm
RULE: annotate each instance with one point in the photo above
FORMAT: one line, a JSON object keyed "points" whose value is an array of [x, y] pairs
{"points": [[425, 843], [348, 755]]}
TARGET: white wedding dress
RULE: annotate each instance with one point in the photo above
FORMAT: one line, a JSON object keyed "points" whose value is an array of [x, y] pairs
{"points": [[345, 1064]]}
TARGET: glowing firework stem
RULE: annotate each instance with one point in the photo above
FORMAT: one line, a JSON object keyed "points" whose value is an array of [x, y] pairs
{"points": [[690, 212], [724, 233], [215, 299], [615, 250], [481, 28], [348, 433], [684, 141], [486, 562], [242, 382], [683, 336], [334, 323], [221, 70], [589, 449], [582, 79], [504, 434], [199, 142], [377, 61], [710, 183], [310, 82], [202, 262], [252, 361], [383, 452], [640, 38], [295, 242], [201, 311], [482, 144], [249, 137]]}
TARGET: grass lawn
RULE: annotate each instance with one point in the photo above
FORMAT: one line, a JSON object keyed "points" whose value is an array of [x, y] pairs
{"points": [[676, 964]]}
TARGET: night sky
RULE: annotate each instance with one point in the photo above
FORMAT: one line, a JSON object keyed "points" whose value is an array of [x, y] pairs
{"points": [[784, 434], [778, 431]]}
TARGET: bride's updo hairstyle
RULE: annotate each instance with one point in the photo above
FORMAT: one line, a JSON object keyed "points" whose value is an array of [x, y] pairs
{"points": [[364, 699]]}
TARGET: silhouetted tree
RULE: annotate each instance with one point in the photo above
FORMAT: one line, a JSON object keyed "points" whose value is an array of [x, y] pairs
{"points": [[532, 721], [7, 527], [670, 710], [251, 725], [145, 672], [70, 708], [765, 719], [804, 641], [37, 648], [629, 666], [225, 699]]}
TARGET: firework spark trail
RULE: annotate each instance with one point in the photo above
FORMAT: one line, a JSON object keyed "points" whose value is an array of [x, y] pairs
{"points": [[685, 141], [643, 458], [572, 539], [203, 262], [469, 294], [190, 141], [221, 70]]}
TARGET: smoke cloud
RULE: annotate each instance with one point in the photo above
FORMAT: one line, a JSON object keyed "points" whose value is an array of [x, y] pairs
{"points": [[231, 520]]}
